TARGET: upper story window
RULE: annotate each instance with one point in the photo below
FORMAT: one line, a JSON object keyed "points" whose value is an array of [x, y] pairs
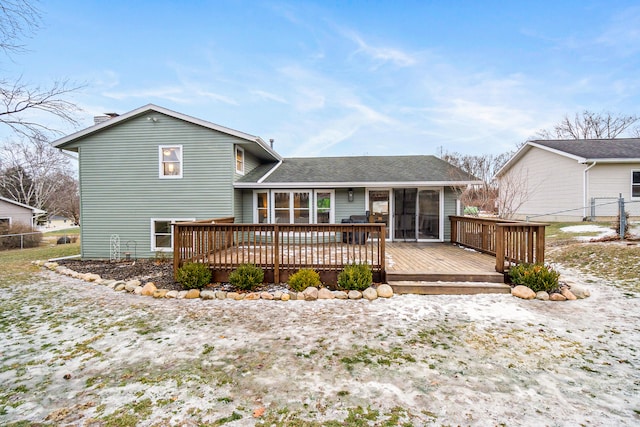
{"points": [[170, 161], [240, 160], [635, 184]]}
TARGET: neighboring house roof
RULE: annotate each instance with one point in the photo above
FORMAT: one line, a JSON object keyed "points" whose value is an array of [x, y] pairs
{"points": [[22, 205], [264, 147], [357, 171], [623, 150]]}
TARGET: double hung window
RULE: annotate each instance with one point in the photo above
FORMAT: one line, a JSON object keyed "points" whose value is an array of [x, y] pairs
{"points": [[170, 161]]}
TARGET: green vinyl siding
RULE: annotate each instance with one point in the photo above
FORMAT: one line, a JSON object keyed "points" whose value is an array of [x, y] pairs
{"points": [[450, 197], [344, 208], [122, 191], [247, 207]]}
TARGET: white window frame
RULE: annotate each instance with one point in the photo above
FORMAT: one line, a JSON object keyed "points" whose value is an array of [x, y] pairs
{"points": [[332, 207], [291, 208], [240, 170], [637, 185], [255, 205], [8, 218], [153, 232], [161, 162]]}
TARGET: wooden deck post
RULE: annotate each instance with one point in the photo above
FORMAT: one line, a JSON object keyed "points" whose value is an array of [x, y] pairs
{"points": [[276, 253], [499, 248], [177, 249]]}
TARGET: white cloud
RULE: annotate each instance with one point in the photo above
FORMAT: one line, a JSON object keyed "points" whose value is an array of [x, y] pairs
{"points": [[216, 97], [268, 96], [381, 55]]}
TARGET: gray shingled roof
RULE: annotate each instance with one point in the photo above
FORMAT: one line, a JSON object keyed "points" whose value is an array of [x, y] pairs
{"points": [[594, 149], [363, 169]]}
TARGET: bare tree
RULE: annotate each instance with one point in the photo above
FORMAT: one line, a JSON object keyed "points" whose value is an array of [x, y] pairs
{"points": [[590, 125], [483, 167], [65, 199], [18, 100], [514, 191], [31, 172], [18, 19]]}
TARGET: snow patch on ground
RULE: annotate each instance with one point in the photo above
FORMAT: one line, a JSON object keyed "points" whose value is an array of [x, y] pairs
{"points": [[446, 359], [577, 229]]}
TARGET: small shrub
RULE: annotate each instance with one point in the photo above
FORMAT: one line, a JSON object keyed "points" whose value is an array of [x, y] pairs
{"points": [[616, 225], [16, 242], [538, 277], [247, 277], [194, 275], [355, 277], [304, 278]]}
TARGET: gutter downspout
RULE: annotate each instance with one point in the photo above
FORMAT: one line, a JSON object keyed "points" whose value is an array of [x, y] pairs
{"points": [[585, 183]]}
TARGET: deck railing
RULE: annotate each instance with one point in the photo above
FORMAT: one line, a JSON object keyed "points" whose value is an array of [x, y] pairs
{"points": [[511, 242], [280, 249]]}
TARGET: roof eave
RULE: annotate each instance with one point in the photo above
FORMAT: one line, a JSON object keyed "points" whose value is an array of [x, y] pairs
{"points": [[612, 160], [356, 184]]}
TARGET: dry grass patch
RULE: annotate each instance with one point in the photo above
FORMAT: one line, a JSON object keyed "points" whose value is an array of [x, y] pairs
{"points": [[615, 261]]}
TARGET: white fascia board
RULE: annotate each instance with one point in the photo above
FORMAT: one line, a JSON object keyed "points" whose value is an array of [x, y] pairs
{"points": [[368, 184], [559, 152], [272, 170], [151, 107], [526, 147], [623, 160], [22, 205]]}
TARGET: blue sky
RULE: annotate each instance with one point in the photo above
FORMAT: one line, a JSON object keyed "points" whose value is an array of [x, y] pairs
{"points": [[337, 78]]}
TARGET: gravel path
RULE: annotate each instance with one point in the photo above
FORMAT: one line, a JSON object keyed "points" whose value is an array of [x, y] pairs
{"points": [[74, 353]]}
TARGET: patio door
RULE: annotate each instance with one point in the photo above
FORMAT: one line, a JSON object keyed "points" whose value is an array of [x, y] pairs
{"points": [[429, 224], [379, 208], [404, 214]]}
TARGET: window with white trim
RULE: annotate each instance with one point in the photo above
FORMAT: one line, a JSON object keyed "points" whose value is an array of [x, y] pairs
{"points": [[262, 207], [5, 224], [292, 207], [170, 161], [324, 213], [239, 160], [162, 233], [635, 183]]}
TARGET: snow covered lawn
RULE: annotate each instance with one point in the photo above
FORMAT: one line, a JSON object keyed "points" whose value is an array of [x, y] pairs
{"points": [[74, 353]]}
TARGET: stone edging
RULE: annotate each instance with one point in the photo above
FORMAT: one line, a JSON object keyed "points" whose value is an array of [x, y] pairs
{"points": [[149, 289], [568, 292]]}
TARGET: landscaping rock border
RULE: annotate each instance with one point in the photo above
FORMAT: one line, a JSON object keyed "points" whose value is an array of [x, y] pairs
{"points": [[149, 289], [566, 292]]}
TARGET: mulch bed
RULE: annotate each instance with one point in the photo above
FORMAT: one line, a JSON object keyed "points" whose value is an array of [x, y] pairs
{"points": [[160, 273]]}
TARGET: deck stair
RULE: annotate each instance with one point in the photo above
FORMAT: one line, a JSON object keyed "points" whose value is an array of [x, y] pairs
{"points": [[448, 288]]}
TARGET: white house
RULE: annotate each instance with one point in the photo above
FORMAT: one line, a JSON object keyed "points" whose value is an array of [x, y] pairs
{"points": [[571, 180], [12, 213]]}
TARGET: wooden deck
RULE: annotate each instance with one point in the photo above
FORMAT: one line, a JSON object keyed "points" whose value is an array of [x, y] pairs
{"points": [[441, 268]]}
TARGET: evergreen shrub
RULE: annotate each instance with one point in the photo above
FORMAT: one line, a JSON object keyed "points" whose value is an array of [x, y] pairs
{"points": [[304, 278], [537, 277], [246, 277], [355, 277], [194, 275]]}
